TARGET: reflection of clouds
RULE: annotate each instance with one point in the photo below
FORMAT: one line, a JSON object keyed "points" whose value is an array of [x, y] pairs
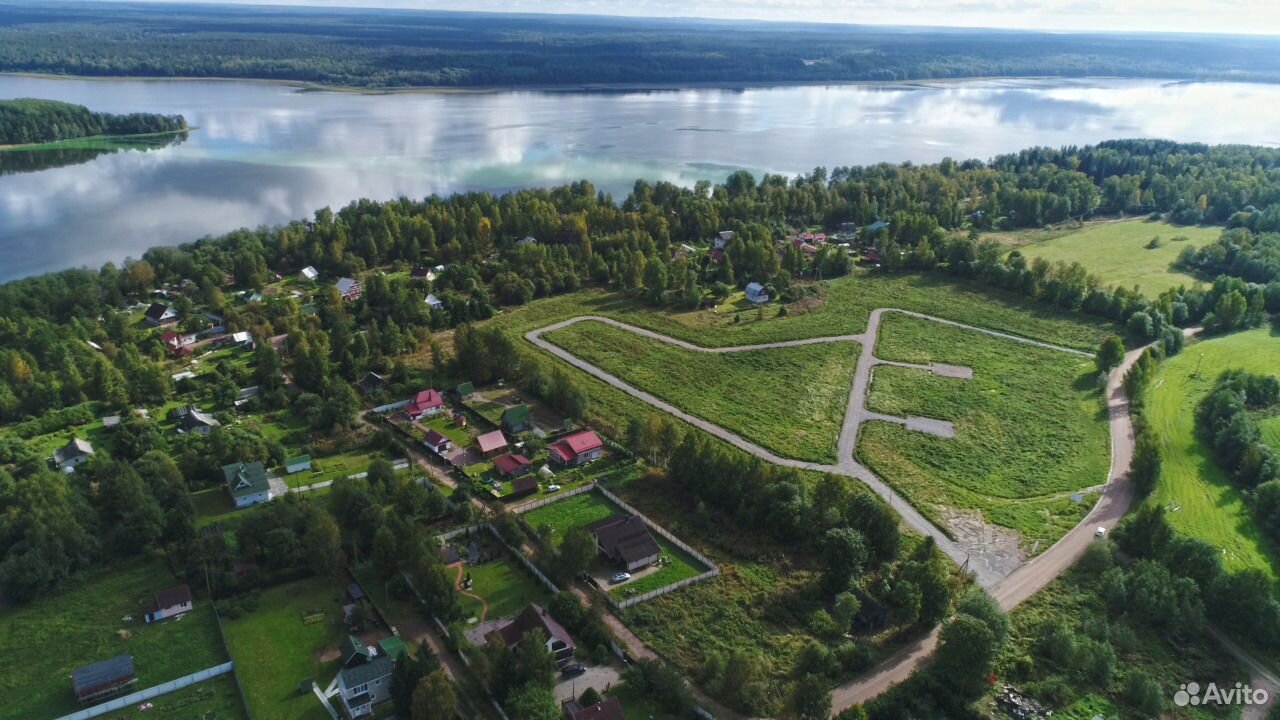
{"points": [[267, 154]]}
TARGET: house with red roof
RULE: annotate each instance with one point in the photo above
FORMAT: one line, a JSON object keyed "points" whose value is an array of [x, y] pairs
{"points": [[437, 442], [512, 465], [168, 603], [579, 448], [491, 443], [425, 404]]}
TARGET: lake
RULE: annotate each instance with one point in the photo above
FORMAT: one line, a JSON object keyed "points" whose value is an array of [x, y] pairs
{"points": [[267, 153]]}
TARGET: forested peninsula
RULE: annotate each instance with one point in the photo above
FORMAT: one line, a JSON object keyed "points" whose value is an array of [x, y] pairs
{"points": [[400, 49], [28, 121]]}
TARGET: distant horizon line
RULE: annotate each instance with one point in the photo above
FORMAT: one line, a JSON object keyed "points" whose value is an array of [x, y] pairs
{"points": [[345, 6]]}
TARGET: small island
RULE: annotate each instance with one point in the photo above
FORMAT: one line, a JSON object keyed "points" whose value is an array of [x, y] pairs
{"points": [[26, 123]]}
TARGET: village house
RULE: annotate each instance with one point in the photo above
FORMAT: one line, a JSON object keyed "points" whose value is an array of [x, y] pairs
{"points": [[535, 617], [103, 679], [756, 293], [247, 483], [73, 454], [527, 240], [308, 274], [371, 383], [425, 404], [462, 390], [722, 239], [516, 420], [297, 464], [437, 443], [178, 344], [625, 541], [521, 487], [434, 302], [579, 448], [607, 709], [365, 677], [491, 444], [170, 603], [513, 465], [161, 314], [191, 419], [348, 288]]}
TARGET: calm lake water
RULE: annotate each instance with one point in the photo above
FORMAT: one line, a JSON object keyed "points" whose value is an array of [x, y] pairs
{"points": [[265, 154]]}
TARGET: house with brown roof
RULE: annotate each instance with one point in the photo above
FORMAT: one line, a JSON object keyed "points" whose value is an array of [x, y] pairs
{"points": [[625, 541], [170, 603], [522, 487], [512, 465], [161, 314], [535, 617], [607, 709], [579, 448], [437, 443]]}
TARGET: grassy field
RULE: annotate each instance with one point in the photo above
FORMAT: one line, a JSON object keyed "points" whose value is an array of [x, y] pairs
{"points": [[1210, 508], [1117, 252], [842, 308], [216, 699], [636, 704], [504, 585], [567, 514], [1030, 427], [1073, 599], [48, 639], [790, 400], [274, 649]]}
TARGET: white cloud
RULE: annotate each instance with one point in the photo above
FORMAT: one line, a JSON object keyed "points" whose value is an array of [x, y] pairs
{"points": [[1257, 17]]}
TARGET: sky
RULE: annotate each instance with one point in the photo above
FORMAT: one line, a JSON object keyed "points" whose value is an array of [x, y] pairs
{"points": [[1256, 17]]}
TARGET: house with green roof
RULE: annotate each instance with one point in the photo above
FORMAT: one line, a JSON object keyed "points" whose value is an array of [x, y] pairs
{"points": [[247, 483], [516, 420], [297, 464], [464, 389], [365, 677]]}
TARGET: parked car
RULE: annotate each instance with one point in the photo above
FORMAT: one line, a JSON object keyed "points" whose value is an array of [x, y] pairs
{"points": [[574, 670], [553, 488], [620, 577], [1101, 531]]}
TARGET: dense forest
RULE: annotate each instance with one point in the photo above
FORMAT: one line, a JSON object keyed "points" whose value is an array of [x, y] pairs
{"points": [[25, 121], [402, 48]]}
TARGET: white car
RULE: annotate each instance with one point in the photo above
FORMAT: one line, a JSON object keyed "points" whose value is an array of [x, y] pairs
{"points": [[553, 488], [1101, 531], [620, 577]]}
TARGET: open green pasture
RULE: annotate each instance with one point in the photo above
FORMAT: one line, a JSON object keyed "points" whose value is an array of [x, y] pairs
{"points": [[46, 640], [1203, 501], [1030, 427], [842, 308], [790, 400], [1117, 252], [275, 649], [565, 515], [505, 585]]}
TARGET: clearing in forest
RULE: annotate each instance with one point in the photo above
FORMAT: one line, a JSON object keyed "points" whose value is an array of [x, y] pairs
{"points": [[1202, 501], [1122, 253]]}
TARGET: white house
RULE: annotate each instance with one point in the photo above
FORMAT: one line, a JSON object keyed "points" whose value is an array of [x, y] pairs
{"points": [[437, 442], [722, 239], [365, 677], [434, 302], [170, 603], [308, 274], [297, 464], [74, 453], [756, 293], [247, 483], [160, 314]]}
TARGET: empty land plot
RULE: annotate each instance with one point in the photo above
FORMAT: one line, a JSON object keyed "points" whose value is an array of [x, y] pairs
{"points": [[1030, 429], [564, 515], [504, 585], [1117, 252], [790, 400], [1207, 505], [281, 644], [49, 638], [843, 307]]}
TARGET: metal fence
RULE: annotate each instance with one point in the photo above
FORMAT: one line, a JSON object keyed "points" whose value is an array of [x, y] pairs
{"points": [[534, 505], [151, 692], [659, 529], [384, 409], [518, 555]]}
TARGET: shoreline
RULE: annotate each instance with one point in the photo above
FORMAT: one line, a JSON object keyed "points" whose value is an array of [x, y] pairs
{"points": [[637, 87], [69, 142]]}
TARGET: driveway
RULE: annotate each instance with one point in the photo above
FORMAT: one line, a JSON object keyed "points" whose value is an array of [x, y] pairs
{"points": [[600, 677]]}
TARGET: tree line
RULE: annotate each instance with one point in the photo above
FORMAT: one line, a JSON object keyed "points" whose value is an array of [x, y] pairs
{"points": [[1228, 421], [25, 120]]}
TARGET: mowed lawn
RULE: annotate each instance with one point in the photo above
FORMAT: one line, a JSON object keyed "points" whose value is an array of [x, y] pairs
{"points": [[1117, 252], [46, 640], [216, 699], [1210, 507], [789, 400], [505, 585], [564, 515], [274, 649], [1030, 428]]}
